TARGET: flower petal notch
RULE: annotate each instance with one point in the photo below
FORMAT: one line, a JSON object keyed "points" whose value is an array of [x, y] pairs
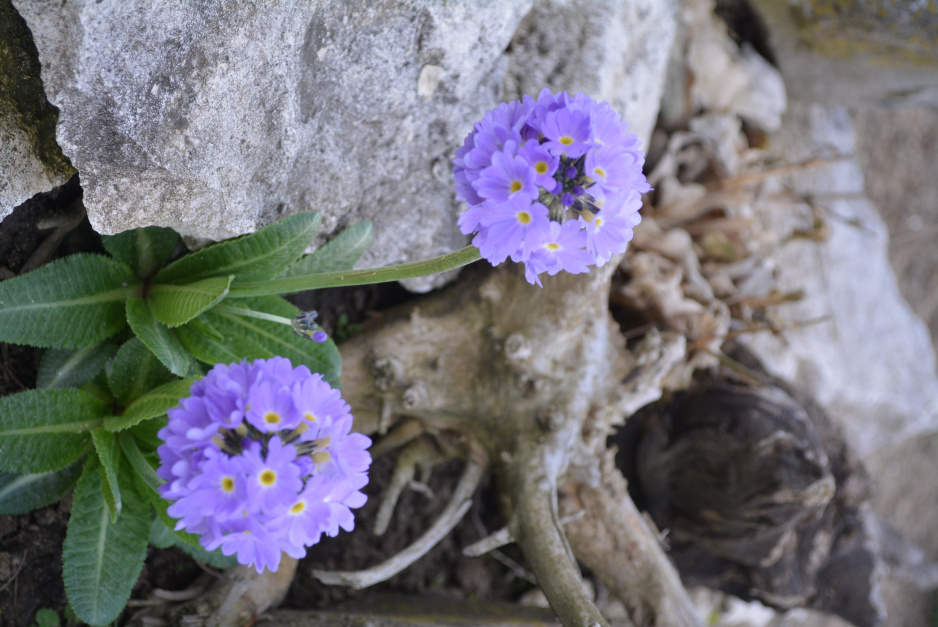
{"points": [[554, 183], [260, 460]]}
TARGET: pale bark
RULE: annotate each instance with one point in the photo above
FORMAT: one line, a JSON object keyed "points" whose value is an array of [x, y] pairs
{"points": [[620, 547], [535, 378]]}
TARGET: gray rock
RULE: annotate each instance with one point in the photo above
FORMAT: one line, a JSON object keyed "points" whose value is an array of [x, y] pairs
{"points": [[613, 50], [30, 160], [898, 149], [859, 350], [217, 119], [847, 53], [728, 77]]}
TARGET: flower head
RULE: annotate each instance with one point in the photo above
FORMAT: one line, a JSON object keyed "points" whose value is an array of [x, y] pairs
{"points": [[531, 165], [260, 460]]}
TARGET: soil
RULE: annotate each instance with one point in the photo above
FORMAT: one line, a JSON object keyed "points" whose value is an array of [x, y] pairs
{"points": [[31, 563], [444, 571], [31, 544]]}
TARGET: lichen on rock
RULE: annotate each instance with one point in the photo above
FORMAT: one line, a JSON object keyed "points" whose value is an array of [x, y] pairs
{"points": [[31, 161]]}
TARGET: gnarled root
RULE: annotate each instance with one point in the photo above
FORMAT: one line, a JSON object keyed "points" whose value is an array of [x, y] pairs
{"points": [[614, 541], [419, 455], [458, 506], [535, 378], [536, 527], [235, 598]]}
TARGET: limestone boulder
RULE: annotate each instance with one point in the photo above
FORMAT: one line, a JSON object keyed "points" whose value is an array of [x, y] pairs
{"points": [[218, 118], [30, 160], [855, 344], [847, 53]]}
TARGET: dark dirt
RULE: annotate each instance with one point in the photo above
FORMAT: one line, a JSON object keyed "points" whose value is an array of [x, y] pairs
{"points": [[31, 563], [444, 571], [745, 27], [31, 544]]}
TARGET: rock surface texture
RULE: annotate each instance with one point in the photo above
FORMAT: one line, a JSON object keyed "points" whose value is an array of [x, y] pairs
{"points": [[30, 160], [227, 117], [847, 53], [860, 351], [898, 148]]}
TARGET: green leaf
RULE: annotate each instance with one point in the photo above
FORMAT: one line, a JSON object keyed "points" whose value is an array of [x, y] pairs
{"points": [[209, 346], [258, 256], [250, 338], [46, 617], [43, 430], [23, 493], [201, 326], [99, 388], [215, 559], [154, 403], [145, 250], [143, 468], [70, 303], [101, 559], [174, 305], [160, 535], [146, 435], [365, 276], [160, 505], [163, 537], [339, 253], [134, 370], [159, 339], [64, 368], [149, 485], [105, 444]]}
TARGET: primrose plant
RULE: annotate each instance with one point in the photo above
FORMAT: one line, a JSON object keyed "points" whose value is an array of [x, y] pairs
{"points": [[184, 402]]}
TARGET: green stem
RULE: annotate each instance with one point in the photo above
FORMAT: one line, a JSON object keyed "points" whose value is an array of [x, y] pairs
{"points": [[250, 313], [410, 270]]}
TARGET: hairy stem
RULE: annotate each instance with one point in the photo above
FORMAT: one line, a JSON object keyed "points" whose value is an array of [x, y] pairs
{"points": [[250, 313], [399, 272]]}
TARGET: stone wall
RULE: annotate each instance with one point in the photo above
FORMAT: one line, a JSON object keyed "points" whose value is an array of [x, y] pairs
{"points": [[216, 119]]}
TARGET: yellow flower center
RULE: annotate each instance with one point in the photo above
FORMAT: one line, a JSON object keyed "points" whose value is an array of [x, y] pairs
{"points": [[268, 478], [524, 217], [540, 167], [299, 507], [272, 418], [515, 186], [309, 417], [599, 222], [600, 172], [552, 246], [566, 140], [227, 484]]}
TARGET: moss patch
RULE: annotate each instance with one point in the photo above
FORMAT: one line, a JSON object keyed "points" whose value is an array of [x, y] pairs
{"points": [[22, 99], [884, 32]]}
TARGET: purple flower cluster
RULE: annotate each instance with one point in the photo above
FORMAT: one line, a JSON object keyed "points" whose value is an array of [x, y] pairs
{"points": [[261, 459], [554, 183]]}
